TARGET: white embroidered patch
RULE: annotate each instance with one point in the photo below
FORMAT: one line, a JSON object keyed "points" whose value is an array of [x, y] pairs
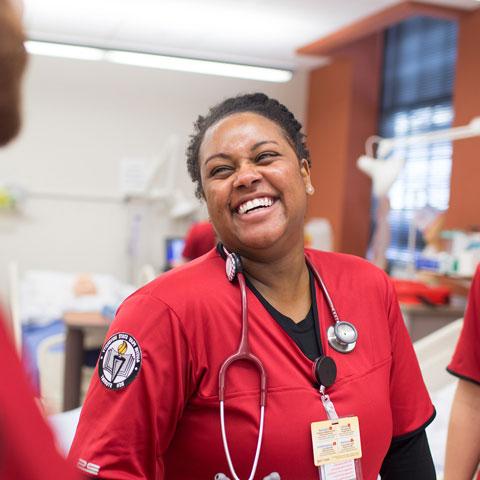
{"points": [[88, 467]]}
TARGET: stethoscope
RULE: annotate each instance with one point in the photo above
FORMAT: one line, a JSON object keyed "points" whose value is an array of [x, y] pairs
{"points": [[342, 337]]}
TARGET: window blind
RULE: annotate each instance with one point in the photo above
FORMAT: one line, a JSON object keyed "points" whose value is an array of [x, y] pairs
{"points": [[418, 78]]}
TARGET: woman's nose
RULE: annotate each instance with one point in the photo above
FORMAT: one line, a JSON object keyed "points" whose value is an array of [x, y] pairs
{"points": [[246, 176]]}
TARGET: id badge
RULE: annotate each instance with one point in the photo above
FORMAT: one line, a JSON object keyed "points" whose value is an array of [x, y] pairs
{"points": [[337, 449], [350, 470]]}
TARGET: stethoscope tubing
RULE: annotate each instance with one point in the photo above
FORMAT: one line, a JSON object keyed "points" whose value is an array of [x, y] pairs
{"points": [[319, 279], [227, 450], [244, 353]]}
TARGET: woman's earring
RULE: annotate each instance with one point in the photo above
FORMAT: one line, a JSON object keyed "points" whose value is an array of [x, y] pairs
{"points": [[310, 189]]}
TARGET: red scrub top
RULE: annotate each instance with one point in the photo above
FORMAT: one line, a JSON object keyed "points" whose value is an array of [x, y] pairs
{"points": [[27, 450], [199, 240], [466, 359], [165, 422]]}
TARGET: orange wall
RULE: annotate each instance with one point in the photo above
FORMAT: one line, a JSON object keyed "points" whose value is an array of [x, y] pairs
{"points": [[327, 126], [342, 113], [464, 211]]}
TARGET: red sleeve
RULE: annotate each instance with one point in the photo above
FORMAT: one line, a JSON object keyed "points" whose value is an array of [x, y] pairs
{"points": [[466, 359], [27, 449], [411, 406], [124, 433]]}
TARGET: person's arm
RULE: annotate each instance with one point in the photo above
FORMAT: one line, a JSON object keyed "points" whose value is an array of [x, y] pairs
{"points": [[463, 442], [126, 427], [410, 458]]}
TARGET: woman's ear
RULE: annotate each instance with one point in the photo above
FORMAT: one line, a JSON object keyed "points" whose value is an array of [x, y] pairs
{"points": [[305, 172]]}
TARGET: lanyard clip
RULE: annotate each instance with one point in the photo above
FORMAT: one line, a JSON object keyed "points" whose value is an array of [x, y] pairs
{"points": [[328, 404]]}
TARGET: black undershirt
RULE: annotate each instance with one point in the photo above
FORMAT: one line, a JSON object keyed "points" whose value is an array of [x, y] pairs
{"points": [[408, 456], [305, 333]]}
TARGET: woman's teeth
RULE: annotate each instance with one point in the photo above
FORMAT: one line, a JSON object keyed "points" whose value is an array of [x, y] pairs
{"points": [[255, 203]]}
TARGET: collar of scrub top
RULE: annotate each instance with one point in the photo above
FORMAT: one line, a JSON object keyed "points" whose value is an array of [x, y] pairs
{"points": [[323, 367], [286, 322], [342, 336]]}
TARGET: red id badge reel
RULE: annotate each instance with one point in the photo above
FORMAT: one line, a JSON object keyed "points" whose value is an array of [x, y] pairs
{"points": [[336, 443]]}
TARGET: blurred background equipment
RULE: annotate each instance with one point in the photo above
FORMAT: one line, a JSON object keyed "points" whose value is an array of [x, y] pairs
{"points": [[318, 234], [384, 167], [46, 301]]}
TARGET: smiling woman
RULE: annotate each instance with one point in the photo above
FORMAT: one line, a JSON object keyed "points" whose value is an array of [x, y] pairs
{"points": [[282, 315], [254, 184], [256, 103]]}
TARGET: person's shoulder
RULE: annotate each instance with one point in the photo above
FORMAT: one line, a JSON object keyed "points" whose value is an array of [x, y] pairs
{"points": [[174, 296], [343, 264], [188, 281], [342, 260]]}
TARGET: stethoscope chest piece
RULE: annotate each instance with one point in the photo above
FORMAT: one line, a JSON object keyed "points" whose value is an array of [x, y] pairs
{"points": [[342, 336]]}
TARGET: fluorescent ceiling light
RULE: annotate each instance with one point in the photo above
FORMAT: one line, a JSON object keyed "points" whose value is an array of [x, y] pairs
{"points": [[159, 61], [199, 66], [64, 51]]}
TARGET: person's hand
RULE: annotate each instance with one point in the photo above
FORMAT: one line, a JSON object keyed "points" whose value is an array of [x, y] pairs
{"points": [[463, 442]]}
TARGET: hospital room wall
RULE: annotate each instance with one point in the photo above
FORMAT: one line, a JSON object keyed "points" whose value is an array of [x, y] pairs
{"points": [[464, 210], [342, 112], [81, 119]]}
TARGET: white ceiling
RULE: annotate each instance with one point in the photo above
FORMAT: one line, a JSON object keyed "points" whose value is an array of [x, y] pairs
{"points": [[260, 32]]}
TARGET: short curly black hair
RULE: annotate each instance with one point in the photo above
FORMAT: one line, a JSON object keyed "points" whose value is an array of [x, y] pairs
{"points": [[256, 103]]}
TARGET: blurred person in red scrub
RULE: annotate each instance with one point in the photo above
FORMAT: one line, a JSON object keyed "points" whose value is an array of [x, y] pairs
{"points": [[27, 449], [463, 442], [199, 240]]}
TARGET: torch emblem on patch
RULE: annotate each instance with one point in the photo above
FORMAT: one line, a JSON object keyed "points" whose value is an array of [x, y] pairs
{"points": [[120, 361]]}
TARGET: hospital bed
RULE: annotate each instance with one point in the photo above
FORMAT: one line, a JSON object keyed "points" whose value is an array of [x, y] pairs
{"points": [[39, 301]]}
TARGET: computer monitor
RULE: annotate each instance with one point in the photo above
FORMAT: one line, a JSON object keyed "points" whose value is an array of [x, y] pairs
{"points": [[173, 251]]}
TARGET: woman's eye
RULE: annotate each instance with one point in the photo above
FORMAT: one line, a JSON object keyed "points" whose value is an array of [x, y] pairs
{"points": [[220, 170], [266, 156]]}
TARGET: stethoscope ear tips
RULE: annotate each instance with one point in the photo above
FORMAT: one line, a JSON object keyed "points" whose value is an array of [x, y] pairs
{"points": [[233, 265]]}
